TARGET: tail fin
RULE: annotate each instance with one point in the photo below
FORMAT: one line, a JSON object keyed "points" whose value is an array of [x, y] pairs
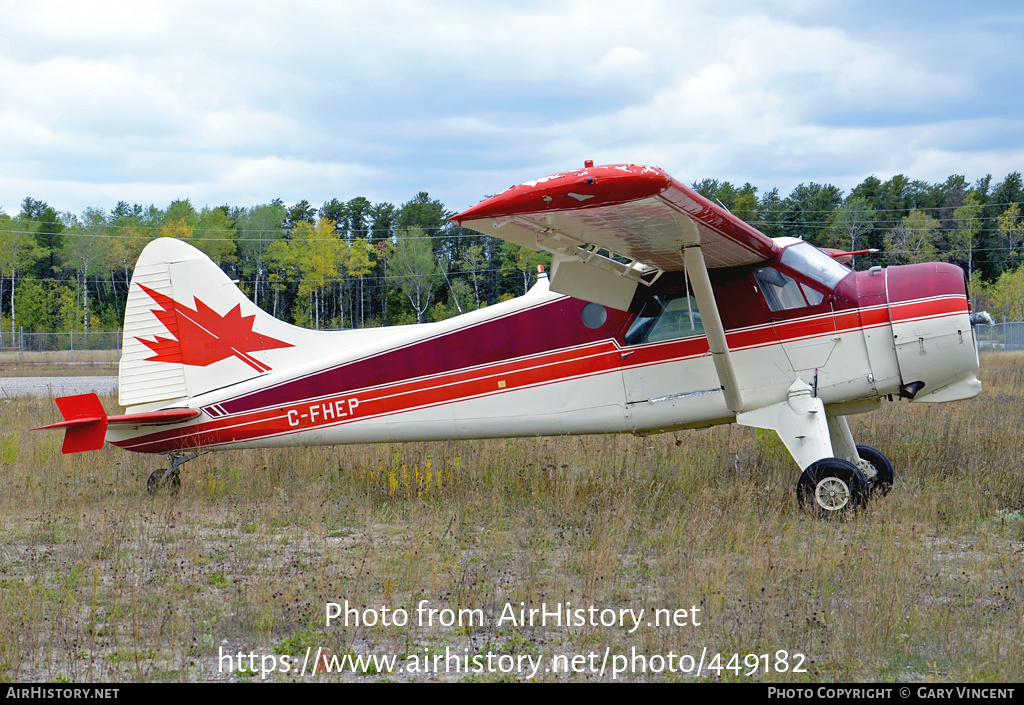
{"points": [[188, 329], [85, 421]]}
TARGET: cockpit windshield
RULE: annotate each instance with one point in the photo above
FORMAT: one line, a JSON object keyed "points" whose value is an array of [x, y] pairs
{"points": [[809, 260]]}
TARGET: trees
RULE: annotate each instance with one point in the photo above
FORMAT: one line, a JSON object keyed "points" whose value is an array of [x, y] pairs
{"points": [[47, 225], [359, 263], [301, 212], [257, 228], [86, 253], [122, 251], [473, 262], [1011, 232], [19, 252], [1006, 296], [415, 270], [966, 226], [913, 238], [769, 220], [806, 211], [215, 235], [315, 254], [381, 264], [851, 224]]}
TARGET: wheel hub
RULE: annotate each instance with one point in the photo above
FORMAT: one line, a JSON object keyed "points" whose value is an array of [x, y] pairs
{"points": [[832, 494]]}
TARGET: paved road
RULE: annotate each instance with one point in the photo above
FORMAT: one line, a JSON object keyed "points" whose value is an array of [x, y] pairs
{"points": [[56, 386]]}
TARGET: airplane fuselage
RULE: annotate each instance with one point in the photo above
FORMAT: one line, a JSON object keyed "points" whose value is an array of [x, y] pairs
{"points": [[548, 364]]}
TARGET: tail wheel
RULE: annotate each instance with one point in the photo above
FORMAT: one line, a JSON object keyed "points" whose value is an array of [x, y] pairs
{"points": [[159, 478], [154, 481], [885, 475], [832, 488]]}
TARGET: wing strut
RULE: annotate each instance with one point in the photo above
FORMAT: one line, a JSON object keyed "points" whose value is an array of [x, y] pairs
{"points": [[697, 272]]}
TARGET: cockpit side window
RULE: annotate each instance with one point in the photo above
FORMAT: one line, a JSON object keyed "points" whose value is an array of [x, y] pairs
{"points": [[782, 292], [666, 318]]}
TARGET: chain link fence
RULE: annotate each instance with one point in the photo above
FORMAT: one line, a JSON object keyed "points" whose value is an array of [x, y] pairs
{"points": [[1002, 337], [85, 345]]}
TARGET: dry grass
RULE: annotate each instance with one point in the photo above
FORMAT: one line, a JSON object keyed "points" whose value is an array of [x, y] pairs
{"points": [[62, 363], [101, 582]]}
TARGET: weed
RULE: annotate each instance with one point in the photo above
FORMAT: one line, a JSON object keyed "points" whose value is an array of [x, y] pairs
{"points": [[101, 581]]}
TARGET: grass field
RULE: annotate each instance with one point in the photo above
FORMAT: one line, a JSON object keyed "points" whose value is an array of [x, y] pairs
{"points": [[99, 581]]}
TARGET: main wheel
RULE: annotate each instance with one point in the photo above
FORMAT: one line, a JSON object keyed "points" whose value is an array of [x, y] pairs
{"points": [[832, 488], [885, 475]]}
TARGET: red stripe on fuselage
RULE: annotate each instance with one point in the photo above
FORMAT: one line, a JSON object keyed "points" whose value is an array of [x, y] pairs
{"points": [[936, 307], [362, 404], [390, 395]]}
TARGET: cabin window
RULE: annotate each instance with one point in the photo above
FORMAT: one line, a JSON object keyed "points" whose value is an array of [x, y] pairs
{"points": [[782, 292], [594, 315], [666, 318]]}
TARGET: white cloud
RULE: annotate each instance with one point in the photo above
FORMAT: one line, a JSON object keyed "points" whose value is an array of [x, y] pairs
{"points": [[234, 100]]}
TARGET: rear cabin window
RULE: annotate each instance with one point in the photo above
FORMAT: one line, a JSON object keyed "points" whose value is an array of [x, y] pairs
{"points": [[666, 318]]}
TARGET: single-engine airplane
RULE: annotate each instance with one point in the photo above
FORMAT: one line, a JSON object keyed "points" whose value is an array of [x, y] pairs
{"points": [[662, 311]]}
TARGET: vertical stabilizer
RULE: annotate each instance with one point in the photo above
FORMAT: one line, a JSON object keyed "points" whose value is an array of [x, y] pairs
{"points": [[188, 329]]}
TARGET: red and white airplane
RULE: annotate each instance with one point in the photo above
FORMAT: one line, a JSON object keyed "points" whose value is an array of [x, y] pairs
{"points": [[663, 311]]}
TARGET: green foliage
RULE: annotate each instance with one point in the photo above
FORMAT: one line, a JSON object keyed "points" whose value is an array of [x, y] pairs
{"points": [[316, 253], [1005, 298], [521, 263], [967, 225], [35, 306], [851, 223], [913, 239], [416, 270], [384, 264]]}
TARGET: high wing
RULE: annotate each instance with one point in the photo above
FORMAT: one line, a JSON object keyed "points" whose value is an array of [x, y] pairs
{"points": [[612, 228], [608, 226]]}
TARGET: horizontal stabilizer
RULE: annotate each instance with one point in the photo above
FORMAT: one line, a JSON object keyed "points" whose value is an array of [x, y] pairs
{"points": [[86, 421]]}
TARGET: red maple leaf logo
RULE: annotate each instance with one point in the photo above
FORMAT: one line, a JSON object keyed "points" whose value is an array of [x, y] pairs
{"points": [[202, 336]]}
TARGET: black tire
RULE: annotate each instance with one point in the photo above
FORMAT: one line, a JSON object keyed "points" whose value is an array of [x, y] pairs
{"points": [[885, 474], [832, 488]]}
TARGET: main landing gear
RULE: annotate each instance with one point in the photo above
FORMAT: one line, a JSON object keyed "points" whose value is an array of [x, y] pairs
{"points": [[839, 476], [834, 488], [170, 476]]}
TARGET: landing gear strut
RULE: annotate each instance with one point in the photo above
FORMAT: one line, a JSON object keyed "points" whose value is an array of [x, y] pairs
{"points": [[840, 476], [171, 475]]}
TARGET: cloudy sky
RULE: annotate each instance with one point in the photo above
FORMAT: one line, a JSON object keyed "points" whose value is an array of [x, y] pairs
{"points": [[241, 103]]}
